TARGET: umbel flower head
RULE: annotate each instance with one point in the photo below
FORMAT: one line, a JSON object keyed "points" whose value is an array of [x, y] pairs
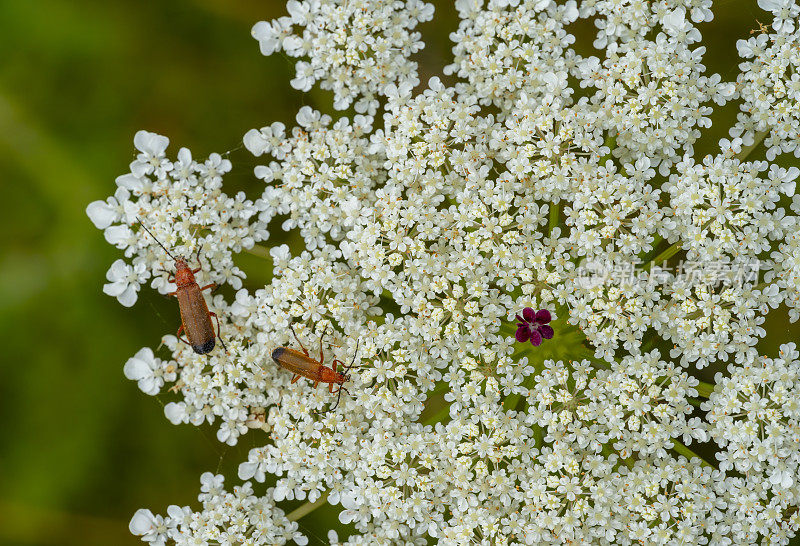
{"points": [[535, 178]]}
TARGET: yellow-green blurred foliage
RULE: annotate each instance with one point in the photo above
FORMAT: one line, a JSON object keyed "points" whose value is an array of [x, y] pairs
{"points": [[81, 448]]}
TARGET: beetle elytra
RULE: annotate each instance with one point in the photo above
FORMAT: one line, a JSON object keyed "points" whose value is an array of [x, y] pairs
{"points": [[303, 365], [195, 316]]}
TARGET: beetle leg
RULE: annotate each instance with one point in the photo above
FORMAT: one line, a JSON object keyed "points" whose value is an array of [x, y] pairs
{"points": [[335, 361], [199, 247], [206, 287], [298, 339], [295, 378], [172, 293], [210, 314], [330, 388], [321, 356], [178, 335]]}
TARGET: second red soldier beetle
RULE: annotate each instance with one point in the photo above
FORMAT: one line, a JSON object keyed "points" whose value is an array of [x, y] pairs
{"points": [[303, 365], [195, 316]]}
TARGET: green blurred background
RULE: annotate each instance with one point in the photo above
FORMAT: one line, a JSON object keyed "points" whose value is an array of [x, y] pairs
{"points": [[81, 447]]}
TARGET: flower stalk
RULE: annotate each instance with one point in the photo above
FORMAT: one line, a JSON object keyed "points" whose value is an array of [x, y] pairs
{"points": [[554, 216], [306, 508], [704, 390], [681, 449], [757, 140]]}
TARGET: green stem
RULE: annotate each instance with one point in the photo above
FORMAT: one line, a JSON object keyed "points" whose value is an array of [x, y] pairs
{"points": [[260, 251], [507, 328], [307, 508], [664, 256], [608, 451], [555, 212], [438, 389], [669, 252], [611, 142], [705, 389], [439, 414], [688, 453], [657, 241], [757, 140]]}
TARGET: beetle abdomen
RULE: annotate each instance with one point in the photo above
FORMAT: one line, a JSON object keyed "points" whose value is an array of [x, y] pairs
{"points": [[205, 348], [195, 318], [297, 362]]}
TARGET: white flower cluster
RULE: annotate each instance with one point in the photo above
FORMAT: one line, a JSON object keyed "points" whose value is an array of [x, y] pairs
{"points": [[237, 517], [723, 208], [355, 48], [754, 416], [183, 205], [507, 49], [785, 270], [427, 229], [769, 82], [323, 174], [652, 95], [708, 322], [639, 404]]}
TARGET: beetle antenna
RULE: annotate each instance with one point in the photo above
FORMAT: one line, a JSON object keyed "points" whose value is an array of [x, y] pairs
{"points": [[354, 357], [341, 387], [199, 245], [336, 405], [338, 397], [156, 239], [291, 326]]}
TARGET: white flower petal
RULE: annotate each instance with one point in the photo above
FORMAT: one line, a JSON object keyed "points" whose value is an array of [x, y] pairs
{"points": [[142, 522], [129, 296], [152, 144], [131, 182], [176, 412], [137, 369], [101, 214], [255, 142], [117, 235]]}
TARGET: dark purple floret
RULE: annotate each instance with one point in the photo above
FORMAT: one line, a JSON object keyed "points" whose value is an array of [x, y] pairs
{"points": [[533, 327], [528, 315]]}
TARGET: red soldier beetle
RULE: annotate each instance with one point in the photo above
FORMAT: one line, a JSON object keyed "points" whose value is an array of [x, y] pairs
{"points": [[195, 316], [302, 365]]}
